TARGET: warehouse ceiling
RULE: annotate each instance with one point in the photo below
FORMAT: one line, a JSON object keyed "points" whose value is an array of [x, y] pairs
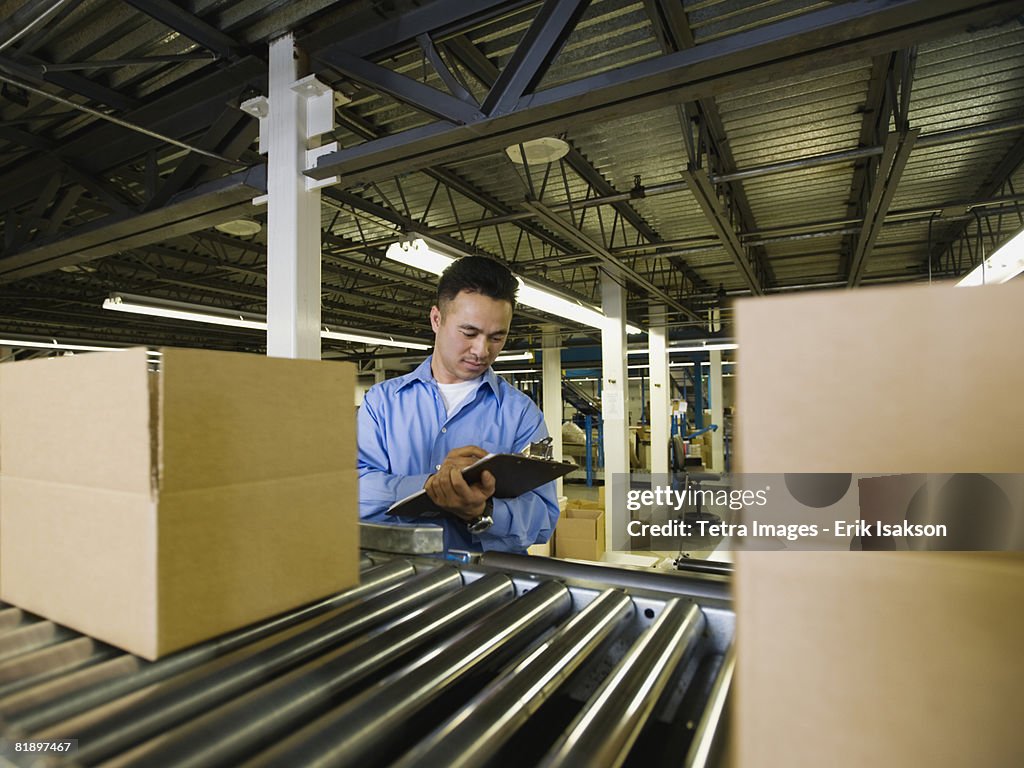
{"points": [[716, 149]]}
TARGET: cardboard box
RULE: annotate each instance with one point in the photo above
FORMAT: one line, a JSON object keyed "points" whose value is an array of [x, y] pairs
{"points": [[156, 510], [580, 534], [882, 380], [880, 658]]}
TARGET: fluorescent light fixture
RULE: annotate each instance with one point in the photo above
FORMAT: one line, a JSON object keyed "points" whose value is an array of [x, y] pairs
{"points": [[141, 306], [520, 370], [418, 253], [119, 303], [1003, 265], [56, 346], [702, 346], [705, 348], [705, 364], [435, 258], [510, 357], [360, 338]]}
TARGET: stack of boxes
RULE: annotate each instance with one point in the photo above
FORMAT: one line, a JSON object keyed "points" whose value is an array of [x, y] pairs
{"points": [[911, 658]]}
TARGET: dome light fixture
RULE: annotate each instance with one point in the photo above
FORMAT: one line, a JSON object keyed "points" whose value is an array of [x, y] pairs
{"points": [[538, 151], [239, 227]]}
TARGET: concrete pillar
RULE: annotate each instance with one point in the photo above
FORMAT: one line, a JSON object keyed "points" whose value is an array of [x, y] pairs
{"points": [[717, 416], [614, 411], [551, 396], [660, 390]]}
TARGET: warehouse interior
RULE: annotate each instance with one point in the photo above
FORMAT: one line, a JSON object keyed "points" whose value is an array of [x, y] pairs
{"points": [[280, 179]]}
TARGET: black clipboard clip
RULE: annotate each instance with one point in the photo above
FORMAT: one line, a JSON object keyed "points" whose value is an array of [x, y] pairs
{"points": [[542, 449]]}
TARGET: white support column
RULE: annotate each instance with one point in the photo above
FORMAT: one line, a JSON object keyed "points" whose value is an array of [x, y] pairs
{"points": [[717, 416], [660, 390], [551, 365], [379, 373], [614, 411], [293, 238]]}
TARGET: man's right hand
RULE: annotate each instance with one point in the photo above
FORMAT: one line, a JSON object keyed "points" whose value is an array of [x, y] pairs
{"points": [[448, 489]]}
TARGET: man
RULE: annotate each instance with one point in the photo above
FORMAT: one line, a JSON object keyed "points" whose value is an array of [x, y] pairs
{"points": [[420, 430]]}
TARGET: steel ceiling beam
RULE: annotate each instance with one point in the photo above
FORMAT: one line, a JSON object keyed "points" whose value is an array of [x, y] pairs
{"points": [[203, 207], [894, 159], [100, 148], [188, 24], [707, 198], [391, 35], [33, 69], [672, 28], [398, 86], [849, 31], [611, 262], [532, 57], [989, 187]]}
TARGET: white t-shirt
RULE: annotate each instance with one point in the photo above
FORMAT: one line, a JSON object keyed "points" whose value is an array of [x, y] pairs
{"points": [[454, 394]]}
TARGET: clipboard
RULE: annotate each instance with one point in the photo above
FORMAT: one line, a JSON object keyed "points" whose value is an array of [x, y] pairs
{"points": [[514, 475]]}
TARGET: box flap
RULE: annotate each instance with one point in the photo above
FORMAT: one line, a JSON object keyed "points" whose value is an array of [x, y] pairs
{"points": [[882, 380], [215, 428], [82, 420]]}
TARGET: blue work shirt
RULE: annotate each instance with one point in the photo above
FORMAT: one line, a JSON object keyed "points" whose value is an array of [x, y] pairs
{"points": [[405, 435]]}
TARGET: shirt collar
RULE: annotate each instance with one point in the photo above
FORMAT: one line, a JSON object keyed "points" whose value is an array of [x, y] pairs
{"points": [[424, 374]]}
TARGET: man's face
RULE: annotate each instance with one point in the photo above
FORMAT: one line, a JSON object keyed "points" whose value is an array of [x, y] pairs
{"points": [[468, 335]]}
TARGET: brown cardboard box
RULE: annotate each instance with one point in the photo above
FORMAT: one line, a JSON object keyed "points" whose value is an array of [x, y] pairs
{"points": [[882, 380], [154, 511], [880, 658], [580, 533]]}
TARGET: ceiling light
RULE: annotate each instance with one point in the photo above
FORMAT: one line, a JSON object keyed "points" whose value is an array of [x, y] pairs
{"points": [[239, 227], [436, 258], [361, 338], [538, 151], [56, 345], [508, 357], [176, 311], [700, 346], [1003, 265]]}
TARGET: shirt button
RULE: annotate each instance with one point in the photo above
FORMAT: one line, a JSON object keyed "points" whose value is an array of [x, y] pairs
{"points": [[443, 430], [437, 467]]}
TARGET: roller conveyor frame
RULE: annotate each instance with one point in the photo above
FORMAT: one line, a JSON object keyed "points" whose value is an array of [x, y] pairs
{"points": [[508, 660]]}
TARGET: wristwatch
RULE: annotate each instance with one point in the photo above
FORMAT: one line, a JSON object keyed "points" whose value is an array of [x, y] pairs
{"points": [[485, 521]]}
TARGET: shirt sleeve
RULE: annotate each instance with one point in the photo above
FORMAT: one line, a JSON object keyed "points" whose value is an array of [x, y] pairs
{"points": [[530, 518], [378, 487]]}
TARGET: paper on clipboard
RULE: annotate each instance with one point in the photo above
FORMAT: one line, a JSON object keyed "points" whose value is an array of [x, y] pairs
{"points": [[514, 475]]}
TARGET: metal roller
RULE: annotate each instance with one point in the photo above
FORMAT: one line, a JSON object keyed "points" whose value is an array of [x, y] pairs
{"points": [[708, 736], [224, 736], [709, 585], [23, 671], [10, 618], [369, 729], [471, 737], [166, 708], [36, 708], [605, 730], [32, 637]]}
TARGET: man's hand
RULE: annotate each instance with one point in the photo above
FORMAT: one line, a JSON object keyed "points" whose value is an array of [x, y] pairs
{"points": [[448, 489]]}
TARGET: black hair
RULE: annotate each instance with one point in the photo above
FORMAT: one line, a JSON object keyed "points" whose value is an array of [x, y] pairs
{"points": [[477, 274]]}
